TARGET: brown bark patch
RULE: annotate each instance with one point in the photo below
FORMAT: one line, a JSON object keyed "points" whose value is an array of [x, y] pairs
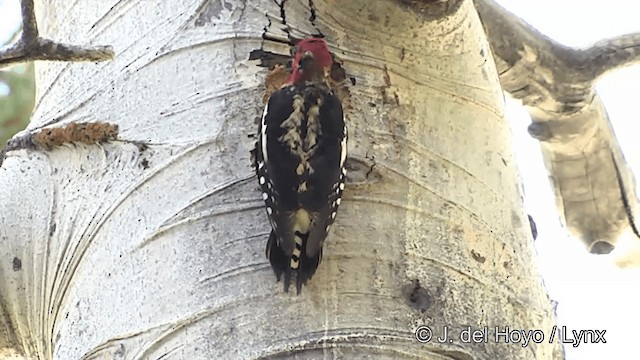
{"points": [[87, 133]]}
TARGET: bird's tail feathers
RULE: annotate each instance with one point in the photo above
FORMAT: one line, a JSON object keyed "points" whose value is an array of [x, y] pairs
{"points": [[299, 263]]}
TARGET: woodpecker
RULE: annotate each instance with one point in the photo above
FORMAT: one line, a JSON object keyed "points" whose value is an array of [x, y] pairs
{"points": [[300, 157]]}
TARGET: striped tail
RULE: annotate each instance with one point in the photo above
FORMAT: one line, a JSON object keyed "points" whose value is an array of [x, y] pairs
{"points": [[304, 267]]}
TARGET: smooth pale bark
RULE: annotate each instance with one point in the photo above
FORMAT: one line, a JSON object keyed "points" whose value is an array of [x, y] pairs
{"points": [[135, 252]]}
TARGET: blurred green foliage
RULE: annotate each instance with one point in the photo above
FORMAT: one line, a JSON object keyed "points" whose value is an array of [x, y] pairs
{"points": [[17, 97]]}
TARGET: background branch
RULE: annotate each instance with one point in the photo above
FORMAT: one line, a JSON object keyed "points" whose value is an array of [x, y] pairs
{"points": [[31, 46], [593, 185], [29, 24], [611, 54]]}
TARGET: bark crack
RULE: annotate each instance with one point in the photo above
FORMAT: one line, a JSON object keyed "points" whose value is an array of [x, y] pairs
{"points": [[313, 16]]}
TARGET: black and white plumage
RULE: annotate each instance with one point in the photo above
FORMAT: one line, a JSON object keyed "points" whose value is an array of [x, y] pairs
{"points": [[300, 157]]}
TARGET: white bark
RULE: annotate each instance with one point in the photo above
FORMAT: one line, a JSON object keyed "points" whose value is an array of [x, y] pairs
{"points": [[123, 261]]}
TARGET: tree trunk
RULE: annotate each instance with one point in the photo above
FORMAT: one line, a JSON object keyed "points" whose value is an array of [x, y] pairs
{"points": [[152, 245]]}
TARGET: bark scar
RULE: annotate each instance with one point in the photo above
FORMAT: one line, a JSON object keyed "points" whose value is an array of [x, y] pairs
{"points": [[48, 138]]}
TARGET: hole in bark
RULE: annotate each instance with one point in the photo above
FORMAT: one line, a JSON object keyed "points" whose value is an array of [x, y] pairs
{"points": [[433, 9], [416, 296], [17, 264], [539, 131], [601, 248], [269, 59]]}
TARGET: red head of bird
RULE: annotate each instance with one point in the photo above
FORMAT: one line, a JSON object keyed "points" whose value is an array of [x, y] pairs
{"points": [[310, 61]]}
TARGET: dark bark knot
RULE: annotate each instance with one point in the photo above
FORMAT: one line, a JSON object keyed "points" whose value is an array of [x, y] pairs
{"points": [[416, 296], [432, 10], [17, 264], [477, 257], [539, 131]]}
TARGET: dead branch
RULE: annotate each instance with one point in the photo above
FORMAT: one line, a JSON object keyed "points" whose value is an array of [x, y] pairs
{"points": [[594, 187], [611, 54], [30, 46]]}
